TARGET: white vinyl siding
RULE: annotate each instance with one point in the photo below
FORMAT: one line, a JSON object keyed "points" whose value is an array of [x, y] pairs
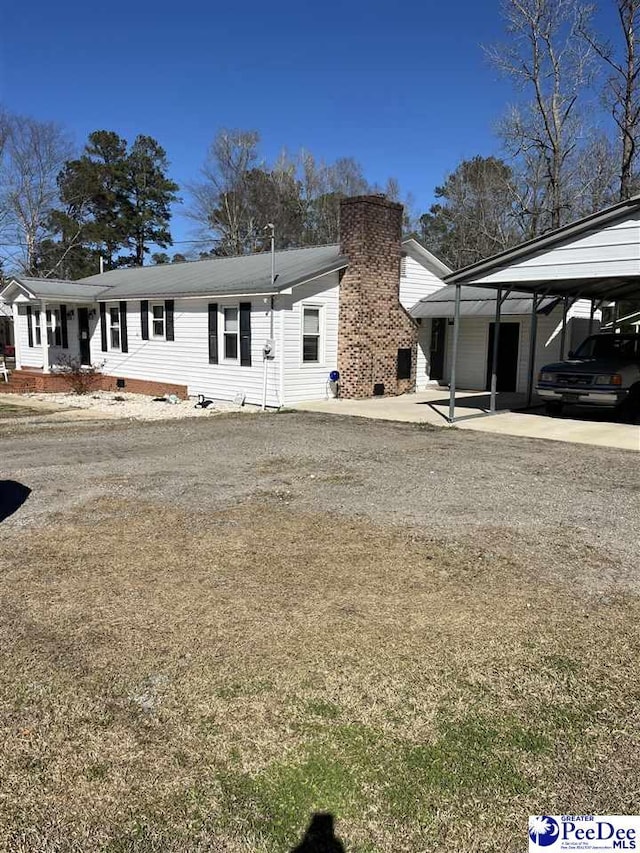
{"points": [[30, 356], [308, 381], [613, 250], [33, 356], [185, 360], [416, 283], [423, 354]]}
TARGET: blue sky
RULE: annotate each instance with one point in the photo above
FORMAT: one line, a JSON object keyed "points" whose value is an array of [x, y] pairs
{"points": [[403, 88]]}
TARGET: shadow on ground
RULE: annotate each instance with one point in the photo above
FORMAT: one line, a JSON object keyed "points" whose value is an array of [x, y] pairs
{"points": [[320, 836], [517, 403], [12, 496]]}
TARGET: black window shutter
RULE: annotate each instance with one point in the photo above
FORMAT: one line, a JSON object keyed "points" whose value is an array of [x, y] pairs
{"points": [[30, 325], [245, 334], [103, 326], [168, 319], [124, 340], [144, 319], [213, 333], [63, 327]]}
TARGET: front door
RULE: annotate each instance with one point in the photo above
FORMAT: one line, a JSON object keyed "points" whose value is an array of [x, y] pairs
{"points": [[83, 335], [437, 348], [508, 345]]}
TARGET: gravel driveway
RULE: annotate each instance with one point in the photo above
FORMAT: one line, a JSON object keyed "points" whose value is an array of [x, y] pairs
{"points": [[568, 511]]}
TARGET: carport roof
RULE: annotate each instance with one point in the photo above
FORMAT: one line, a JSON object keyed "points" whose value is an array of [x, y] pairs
{"points": [[604, 287], [476, 302]]}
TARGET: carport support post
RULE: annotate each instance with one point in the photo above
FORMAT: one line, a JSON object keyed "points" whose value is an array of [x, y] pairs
{"points": [[454, 356], [533, 334], [494, 354], [592, 315], [563, 336]]}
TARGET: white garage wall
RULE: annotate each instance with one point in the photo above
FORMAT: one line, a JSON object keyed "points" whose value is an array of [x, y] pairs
{"points": [[422, 360], [473, 343]]}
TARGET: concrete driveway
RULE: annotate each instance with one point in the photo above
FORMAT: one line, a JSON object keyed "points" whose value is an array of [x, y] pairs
{"points": [[432, 407]]}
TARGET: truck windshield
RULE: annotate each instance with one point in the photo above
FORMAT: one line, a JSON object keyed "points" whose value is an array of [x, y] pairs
{"points": [[625, 347]]}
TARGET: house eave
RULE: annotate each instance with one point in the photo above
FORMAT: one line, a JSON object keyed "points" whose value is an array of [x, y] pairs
{"points": [[425, 258]]}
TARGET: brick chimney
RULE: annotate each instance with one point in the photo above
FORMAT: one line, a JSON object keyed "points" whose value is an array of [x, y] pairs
{"points": [[372, 324]]}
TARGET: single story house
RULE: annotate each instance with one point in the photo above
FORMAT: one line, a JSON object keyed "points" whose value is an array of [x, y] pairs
{"points": [[234, 328]]}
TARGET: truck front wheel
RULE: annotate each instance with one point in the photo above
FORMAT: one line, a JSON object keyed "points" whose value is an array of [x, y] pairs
{"points": [[629, 409], [553, 408]]}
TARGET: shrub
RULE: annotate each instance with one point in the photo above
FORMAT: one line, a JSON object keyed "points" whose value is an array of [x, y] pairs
{"points": [[79, 378]]}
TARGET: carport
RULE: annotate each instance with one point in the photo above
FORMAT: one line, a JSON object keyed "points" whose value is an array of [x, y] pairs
{"points": [[596, 258]]}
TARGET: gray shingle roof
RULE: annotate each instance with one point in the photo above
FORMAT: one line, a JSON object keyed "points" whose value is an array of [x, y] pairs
{"points": [[476, 302], [55, 288], [244, 275]]}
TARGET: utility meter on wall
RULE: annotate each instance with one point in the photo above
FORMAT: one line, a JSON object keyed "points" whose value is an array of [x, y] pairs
{"points": [[269, 349]]}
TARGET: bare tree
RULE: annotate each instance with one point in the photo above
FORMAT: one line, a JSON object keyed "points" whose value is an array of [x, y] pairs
{"points": [[221, 202], [596, 175], [473, 218], [551, 63], [622, 90], [239, 193], [4, 133], [34, 153]]}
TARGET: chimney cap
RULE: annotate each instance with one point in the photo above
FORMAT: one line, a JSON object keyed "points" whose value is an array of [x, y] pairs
{"points": [[378, 199]]}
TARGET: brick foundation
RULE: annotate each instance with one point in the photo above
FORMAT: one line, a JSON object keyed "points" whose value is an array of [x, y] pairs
{"points": [[144, 386], [26, 381], [372, 324]]}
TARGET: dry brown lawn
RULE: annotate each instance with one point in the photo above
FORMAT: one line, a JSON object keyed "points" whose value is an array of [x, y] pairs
{"points": [[9, 411], [174, 681]]}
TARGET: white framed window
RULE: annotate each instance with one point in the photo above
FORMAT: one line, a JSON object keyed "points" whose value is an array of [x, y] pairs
{"points": [[311, 334], [230, 333], [54, 328], [37, 331], [158, 320], [114, 326]]}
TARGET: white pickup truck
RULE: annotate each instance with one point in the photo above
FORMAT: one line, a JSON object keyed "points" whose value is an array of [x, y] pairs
{"points": [[604, 371]]}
